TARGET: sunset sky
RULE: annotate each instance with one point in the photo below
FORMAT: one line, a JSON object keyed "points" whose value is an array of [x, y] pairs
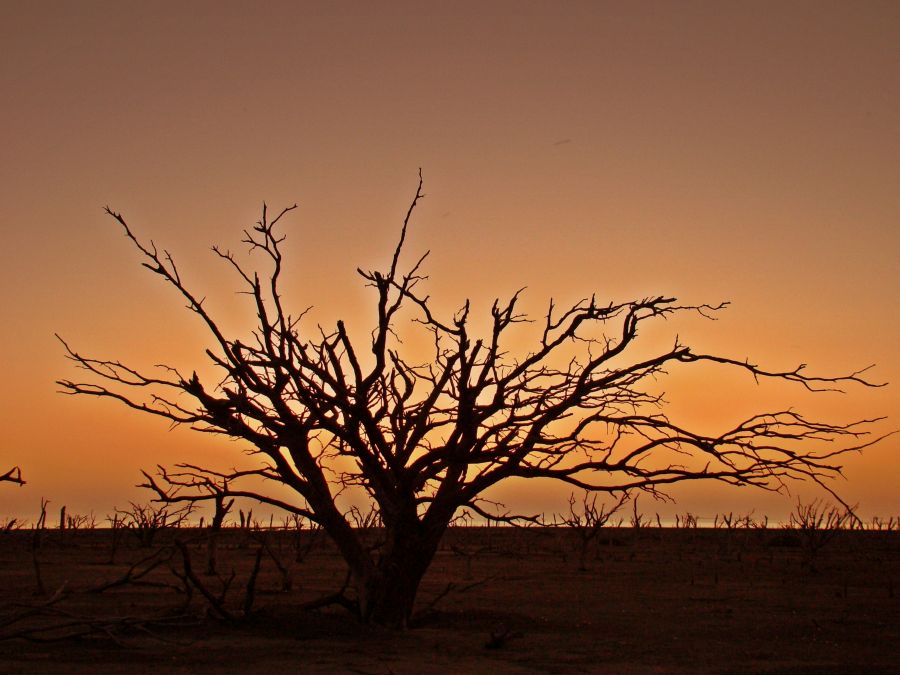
{"points": [[711, 150]]}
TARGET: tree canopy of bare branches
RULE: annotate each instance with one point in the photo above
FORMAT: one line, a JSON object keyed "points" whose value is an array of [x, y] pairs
{"points": [[426, 438]]}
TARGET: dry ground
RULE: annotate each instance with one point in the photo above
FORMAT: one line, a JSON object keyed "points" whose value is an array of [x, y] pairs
{"points": [[650, 600]]}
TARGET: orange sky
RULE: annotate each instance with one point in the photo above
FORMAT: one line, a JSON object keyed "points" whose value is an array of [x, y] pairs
{"points": [[742, 151]]}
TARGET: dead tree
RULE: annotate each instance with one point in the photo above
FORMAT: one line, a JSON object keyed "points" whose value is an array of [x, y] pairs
{"points": [[423, 437], [202, 485], [818, 523], [587, 521], [145, 521]]}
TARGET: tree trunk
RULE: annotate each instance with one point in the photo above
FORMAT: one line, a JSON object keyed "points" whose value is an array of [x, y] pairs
{"points": [[391, 598], [388, 596]]}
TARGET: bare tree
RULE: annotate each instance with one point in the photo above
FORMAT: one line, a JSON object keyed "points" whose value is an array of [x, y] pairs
{"points": [[14, 475], [424, 438], [818, 523], [148, 520], [587, 521]]}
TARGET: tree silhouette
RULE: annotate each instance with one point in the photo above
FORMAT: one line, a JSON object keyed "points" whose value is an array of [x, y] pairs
{"points": [[424, 440]]}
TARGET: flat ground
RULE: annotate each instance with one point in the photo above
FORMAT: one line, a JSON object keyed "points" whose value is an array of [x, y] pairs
{"points": [[649, 600]]}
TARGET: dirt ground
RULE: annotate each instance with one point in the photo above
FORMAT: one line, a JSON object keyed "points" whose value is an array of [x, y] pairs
{"points": [[496, 600]]}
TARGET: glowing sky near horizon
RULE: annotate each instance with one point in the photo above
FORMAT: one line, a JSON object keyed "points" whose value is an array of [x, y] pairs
{"points": [[739, 151]]}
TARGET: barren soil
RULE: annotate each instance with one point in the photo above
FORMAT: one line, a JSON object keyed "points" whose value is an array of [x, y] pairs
{"points": [[652, 600]]}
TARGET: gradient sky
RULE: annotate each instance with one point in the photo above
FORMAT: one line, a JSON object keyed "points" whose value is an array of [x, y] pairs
{"points": [[712, 150]]}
